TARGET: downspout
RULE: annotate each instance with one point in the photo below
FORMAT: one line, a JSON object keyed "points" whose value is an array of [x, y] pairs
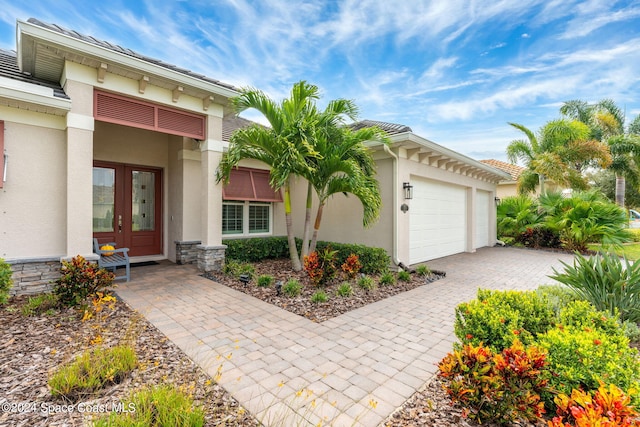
{"points": [[395, 259]]}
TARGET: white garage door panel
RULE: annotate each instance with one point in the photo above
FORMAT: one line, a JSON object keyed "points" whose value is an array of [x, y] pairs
{"points": [[438, 220], [482, 218]]}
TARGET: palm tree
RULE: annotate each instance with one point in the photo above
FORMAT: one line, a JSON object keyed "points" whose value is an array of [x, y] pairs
{"points": [[560, 151], [606, 121], [346, 166], [285, 147]]}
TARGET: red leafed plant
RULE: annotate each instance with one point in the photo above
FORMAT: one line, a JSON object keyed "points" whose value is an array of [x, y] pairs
{"points": [[502, 388], [320, 266], [608, 407], [351, 266]]}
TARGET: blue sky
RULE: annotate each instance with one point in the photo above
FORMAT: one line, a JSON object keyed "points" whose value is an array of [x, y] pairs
{"points": [[455, 71]]}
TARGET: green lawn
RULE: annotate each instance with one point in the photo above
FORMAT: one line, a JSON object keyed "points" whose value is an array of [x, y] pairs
{"points": [[630, 250]]}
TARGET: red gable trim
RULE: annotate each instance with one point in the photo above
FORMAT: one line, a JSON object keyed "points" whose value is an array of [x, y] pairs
{"points": [[250, 184], [112, 108], [1, 154]]}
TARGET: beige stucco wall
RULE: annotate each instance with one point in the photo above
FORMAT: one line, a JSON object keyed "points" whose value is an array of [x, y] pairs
{"points": [[33, 200]]}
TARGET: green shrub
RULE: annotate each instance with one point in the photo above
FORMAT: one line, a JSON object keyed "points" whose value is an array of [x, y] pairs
{"points": [[387, 278], [515, 214], [292, 288], [92, 371], [404, 276], [319, 297], [256, 249], [265, 280], [344, 290], [366, 283], [558, 296], [373, 260], [157, 406], [503, 388], [237, 268], [79, 280], [580, 358], [5, 281], [43, 303], [496, 318], [631, 330], [423, 270], [582, 315], [606, 282], [633, 234]]}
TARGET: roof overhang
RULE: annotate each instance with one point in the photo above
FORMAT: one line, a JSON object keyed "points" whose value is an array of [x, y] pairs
{"points": [[42, 52], [27, 96], [424, 151]]}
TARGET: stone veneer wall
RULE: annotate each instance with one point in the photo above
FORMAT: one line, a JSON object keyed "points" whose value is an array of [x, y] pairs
{"points": [[33, 276], [187, 252]]}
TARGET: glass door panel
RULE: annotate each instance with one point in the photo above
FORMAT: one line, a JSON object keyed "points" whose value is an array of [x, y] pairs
{"points": [[104, 190], [143, 201]]}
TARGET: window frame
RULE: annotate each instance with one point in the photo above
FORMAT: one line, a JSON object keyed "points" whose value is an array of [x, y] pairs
{"points": [[246, 204]]}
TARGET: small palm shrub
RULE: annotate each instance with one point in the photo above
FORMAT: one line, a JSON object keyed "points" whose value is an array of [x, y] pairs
{"points": [[387, 278], [292, 288], [344, 290], [586, 218], [499, 387], [497, 318], [404, 276], [157, 406], [515, 214], [319, 297], [366, 283], [80, 279], [5, 281], [265, 280], [607, 406], [92, 371], [606, 282]]}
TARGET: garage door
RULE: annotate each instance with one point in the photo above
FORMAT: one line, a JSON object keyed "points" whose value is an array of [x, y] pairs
{"points": [[438, 220], [482, 218]]}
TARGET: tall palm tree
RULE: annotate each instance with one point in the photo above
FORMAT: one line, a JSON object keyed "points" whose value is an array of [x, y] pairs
{"points": [[560, 151], [346, 166], [606, 121], [285, 146]]}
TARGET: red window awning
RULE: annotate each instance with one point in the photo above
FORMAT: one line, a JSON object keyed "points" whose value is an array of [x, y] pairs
{"points": [[250, 184]]}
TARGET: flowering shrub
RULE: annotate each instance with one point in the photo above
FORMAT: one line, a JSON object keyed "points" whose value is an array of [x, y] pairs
{"points": [[79, 280], [320, 266], [503, 387], [607, 407], [351, 267]]}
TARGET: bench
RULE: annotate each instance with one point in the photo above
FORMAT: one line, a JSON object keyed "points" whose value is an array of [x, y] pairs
{"points": [[111, 259]]}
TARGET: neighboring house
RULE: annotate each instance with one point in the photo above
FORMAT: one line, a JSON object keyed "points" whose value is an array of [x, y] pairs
{"points": [[509, 186], [100, 141]]}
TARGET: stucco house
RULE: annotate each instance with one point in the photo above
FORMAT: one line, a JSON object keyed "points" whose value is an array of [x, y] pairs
{"points": [[100, 141], [509, 187]]}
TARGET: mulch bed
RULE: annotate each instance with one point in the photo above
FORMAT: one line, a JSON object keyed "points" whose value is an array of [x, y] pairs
{"points": [[280, 270]]}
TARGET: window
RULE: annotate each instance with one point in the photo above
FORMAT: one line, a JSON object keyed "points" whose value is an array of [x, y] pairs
{"points": [[246, 218]]}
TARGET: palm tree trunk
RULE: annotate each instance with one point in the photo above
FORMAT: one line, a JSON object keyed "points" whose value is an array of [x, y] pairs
{"points": [[316, 228], [620, 190], [541, 182], [293, 250], [307, 225]]}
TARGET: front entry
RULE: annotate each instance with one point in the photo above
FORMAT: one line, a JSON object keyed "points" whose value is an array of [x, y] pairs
{"points": [[127, 207]]}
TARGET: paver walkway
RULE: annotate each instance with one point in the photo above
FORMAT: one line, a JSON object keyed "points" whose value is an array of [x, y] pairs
{"points": [[383, 352]]}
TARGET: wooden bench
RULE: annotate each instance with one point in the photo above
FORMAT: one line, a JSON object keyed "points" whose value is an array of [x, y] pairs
{"points": [[111, 259]]}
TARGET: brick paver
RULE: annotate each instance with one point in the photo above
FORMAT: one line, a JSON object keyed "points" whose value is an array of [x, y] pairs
{"points": [[288, 370]]}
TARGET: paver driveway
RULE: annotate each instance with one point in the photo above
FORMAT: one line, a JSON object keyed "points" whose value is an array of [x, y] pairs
{"points": [[383, 352]]}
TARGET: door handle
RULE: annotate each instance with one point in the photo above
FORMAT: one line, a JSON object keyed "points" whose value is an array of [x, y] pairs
{"points": [[119, 223]]}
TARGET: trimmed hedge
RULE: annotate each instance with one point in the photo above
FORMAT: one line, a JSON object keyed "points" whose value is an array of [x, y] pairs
{"points": [[373, 260]]}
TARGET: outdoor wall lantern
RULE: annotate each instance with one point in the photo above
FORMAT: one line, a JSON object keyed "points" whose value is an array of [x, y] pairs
{"points": [[408, 190], [497, 200]]}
